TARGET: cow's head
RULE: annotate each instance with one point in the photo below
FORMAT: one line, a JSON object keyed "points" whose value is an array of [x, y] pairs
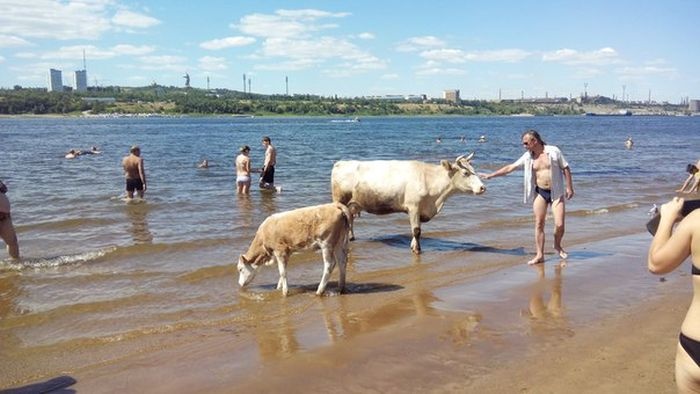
{"points": [[463, 176], [246, 271]]}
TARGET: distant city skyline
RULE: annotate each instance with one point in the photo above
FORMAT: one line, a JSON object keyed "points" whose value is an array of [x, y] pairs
{"points": [[486, 50]]}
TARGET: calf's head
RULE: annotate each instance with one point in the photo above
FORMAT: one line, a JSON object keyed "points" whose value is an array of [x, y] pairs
{"points": [[246, 271], [463, 175]]}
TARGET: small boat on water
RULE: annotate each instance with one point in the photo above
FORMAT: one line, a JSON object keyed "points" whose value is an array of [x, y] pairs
{"points": [[353, 120]]}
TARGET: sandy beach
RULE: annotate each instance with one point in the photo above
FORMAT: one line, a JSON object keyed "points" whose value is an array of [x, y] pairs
{"points": [[600, 324]]}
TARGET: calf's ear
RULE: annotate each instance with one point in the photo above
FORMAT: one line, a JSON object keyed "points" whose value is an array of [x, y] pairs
{"points": [[446, 164], [242, 259]]}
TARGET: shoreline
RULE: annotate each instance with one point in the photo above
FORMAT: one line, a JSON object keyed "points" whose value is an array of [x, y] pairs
{"points": [[510, 330]]}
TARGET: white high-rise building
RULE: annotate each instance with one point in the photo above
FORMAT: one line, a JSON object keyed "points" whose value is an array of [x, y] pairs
{"points": [[55, 80], [80, 81]]}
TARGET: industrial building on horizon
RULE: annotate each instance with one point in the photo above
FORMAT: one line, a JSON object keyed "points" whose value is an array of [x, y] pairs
{"points": [[55, 81]]}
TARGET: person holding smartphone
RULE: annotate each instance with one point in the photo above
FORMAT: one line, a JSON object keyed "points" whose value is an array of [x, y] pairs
{"points": [[667, 251]]}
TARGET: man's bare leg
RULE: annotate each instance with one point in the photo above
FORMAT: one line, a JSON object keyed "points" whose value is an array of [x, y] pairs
{"points": [[559, 213], [539, 208]]}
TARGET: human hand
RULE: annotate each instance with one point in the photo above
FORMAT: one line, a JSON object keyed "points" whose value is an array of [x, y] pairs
{"points": [[569, 194], [484, 176], [672, 209]]}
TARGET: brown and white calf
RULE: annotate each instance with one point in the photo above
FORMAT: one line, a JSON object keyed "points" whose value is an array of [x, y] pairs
{"points": [[322, 227]]}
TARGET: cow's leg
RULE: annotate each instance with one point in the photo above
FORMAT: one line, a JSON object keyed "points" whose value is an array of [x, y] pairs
{"points": [[282, 267], [351, 232], [328, 265], [414, 218]]}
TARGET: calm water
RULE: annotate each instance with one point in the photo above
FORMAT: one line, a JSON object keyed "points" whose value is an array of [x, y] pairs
{"points": [[96, 269]]}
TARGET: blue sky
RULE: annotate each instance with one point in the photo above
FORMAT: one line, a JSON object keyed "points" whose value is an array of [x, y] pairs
{"points": [[361, 48]]}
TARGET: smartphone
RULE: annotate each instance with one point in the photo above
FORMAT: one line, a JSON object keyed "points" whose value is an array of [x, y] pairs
{"points": [[688, 207]]}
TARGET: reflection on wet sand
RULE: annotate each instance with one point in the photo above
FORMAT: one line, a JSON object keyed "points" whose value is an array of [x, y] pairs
{"points": [[139, 224], [272, 328], [547, 315], [10, 292]]}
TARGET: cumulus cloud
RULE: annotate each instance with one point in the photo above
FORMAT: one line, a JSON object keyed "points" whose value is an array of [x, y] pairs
{"points": [[286, 23], [162, 62], [320, 50], [417, 44], [67, 19], [646, 71], [8, 41], [228, 42], [366, 36], [459, 56], [91, 51], [567, 56], [132, 19], [211, 63]]}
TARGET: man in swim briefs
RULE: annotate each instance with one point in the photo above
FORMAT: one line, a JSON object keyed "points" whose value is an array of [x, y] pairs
{"points": [[243, 170], [545, 169], [134, 172], [267, 180]]}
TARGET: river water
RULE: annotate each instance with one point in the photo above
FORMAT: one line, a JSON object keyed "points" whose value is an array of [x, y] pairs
{"points": [[97, 270]]}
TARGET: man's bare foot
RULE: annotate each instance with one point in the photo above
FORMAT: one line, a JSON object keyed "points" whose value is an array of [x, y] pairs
{"points": [[562, 254], [536, 260]]}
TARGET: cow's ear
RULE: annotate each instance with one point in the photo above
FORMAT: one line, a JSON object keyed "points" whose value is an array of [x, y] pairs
{"points": [[446, 164], [243, 259]]}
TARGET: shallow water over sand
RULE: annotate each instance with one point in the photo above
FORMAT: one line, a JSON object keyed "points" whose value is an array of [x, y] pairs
{"points": [[97, 271]]}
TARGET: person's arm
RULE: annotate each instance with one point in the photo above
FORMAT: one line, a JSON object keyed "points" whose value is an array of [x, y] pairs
{"points": [[142, 173], [686, 183], [505, 170], [667, 250], [696, 185], [569, 183]]}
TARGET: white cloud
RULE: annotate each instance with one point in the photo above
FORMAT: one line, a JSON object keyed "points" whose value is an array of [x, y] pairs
{"points": [[162, 62], [228, 42], [92, 52], [366, 36], [211, 63], [417, 44], [431, 69], [126, 49], [289, 65], [645, 71], [8, 41], [286, 23], [567, 56], [132, 19], [460, 56], [314, 51], [67, 19], [390, 76]]}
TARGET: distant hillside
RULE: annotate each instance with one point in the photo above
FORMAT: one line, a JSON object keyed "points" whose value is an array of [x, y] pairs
{"points": [[164, 100]]}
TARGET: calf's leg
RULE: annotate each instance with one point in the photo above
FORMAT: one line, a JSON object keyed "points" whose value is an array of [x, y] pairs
{"points": [[328, 265], [282, 267]]}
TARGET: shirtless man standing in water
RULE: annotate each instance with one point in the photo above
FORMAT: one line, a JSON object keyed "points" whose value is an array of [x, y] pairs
{"points": [[545, 169], [134, 172]]}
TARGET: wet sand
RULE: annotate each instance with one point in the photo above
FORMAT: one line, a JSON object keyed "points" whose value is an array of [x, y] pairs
{"points": [[599, 324]]}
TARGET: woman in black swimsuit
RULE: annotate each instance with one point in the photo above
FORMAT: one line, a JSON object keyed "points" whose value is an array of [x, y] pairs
{"points": [[667, 251]]}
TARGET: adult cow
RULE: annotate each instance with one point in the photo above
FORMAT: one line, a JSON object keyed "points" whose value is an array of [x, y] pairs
{"points": [[417, 188]]}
